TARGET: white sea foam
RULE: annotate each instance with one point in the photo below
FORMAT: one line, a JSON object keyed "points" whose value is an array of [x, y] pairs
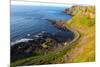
{"points": [[21, 40]]}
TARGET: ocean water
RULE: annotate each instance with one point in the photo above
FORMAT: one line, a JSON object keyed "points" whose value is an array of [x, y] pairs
{"points": [[27, 21]]}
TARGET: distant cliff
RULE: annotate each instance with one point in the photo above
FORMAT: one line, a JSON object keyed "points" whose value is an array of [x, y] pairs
{"points": [[88, 11]]}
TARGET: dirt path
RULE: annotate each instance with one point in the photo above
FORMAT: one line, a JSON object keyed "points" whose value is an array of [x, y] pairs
{"points": [[84, 44]]}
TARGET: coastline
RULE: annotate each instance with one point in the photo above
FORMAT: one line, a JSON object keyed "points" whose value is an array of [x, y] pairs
{"points": [[84, 48], [61, 51], [80, 49]]}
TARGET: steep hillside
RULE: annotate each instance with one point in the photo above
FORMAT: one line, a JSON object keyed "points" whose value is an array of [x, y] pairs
{"points": [[83, 21]]}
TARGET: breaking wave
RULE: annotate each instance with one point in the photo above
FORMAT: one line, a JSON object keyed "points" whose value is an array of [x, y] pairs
{"points": [[21, 40]]}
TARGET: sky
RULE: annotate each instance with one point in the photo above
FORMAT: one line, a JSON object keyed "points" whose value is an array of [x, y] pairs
{"points": [[60, 3], [38, 3]]}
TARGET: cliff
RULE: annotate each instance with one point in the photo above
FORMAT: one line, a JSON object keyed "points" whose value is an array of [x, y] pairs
{"points": [[83, 21], [88, 11]]}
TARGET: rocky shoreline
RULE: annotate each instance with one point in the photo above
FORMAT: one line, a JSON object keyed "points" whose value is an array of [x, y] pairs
{"points": [[42, 40]]}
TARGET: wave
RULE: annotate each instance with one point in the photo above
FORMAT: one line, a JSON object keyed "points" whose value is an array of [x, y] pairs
{"points": [[21, 40]]}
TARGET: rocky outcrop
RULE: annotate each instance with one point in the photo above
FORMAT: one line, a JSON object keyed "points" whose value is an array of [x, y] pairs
{"points": [[58, 24], [42, 40]]}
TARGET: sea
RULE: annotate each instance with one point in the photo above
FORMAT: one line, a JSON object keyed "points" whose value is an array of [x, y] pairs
{"points": [[29, 20]]}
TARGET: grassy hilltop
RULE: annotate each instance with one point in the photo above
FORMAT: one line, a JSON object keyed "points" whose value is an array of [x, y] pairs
{"points": [[80, 50]]}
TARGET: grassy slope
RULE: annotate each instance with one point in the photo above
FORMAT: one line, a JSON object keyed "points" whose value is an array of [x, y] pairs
{"points": [[84, 49], [81, 50], [84, 23]]}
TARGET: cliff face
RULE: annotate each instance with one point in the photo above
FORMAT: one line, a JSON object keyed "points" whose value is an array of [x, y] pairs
{"points": [[88, 11], [85, 14]]}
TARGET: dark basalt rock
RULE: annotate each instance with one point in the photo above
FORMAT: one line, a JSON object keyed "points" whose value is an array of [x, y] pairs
{"points": [[22, 49], [58, 24], [27, 48]]}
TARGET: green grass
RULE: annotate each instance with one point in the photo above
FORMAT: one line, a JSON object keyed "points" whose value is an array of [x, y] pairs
{"points": [[84, 51]]}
